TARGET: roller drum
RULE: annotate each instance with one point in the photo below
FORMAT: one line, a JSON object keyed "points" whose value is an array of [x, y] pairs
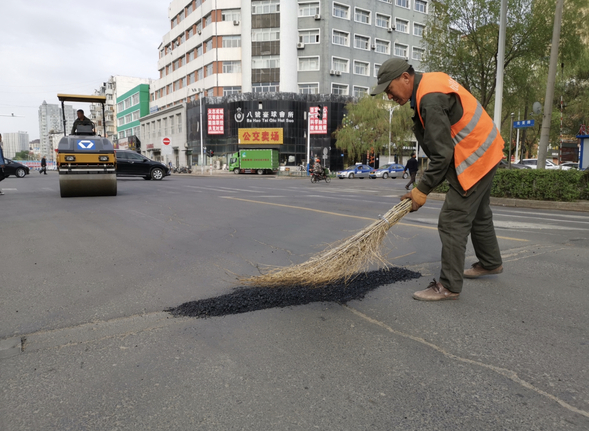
{"points": [[87, 185]]}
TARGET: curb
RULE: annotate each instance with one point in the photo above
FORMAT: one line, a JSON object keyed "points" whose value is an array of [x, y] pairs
{"points": [[582, 206]]}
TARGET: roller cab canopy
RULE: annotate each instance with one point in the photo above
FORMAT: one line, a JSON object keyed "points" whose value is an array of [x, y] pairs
{"points": [[84, 99], [81, 98]]}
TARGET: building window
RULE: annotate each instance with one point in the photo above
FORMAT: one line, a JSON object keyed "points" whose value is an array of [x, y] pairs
{"points": [[401, 25], [127, 103], [341, 38], [265, 34], [191, 55], [209, 69], [361, 42], [361, 68], [383, 21], [360, 91], [309, 88], [189, 32], [308, 9], [308, 63], [417, 54], [210, 92], [402, 3], [189, 9], [376, 67], [232, 67], [208, 20], [231, 90], [200, 74], [271, 87], [309, 36], [361, 15], [135, 99], [383, 46], [135, 115], [418, 29], [420, 6], [128, 118], [265, 6], [387, 1], [120, 106], [400, 50], [266, 62], [339, 89], [199, 50], [341, 11], [209, 45], [231, 15], [340, 64], [231, 41]]}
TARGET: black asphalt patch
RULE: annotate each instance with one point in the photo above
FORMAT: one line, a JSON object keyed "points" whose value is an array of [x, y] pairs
{"points": [[246, 299]]}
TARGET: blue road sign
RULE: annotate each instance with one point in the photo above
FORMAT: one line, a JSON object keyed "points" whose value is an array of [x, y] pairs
{"points": [[523, 124], [86, 145]]}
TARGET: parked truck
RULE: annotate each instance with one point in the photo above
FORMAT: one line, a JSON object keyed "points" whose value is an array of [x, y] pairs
{"points": [[249, 161]]}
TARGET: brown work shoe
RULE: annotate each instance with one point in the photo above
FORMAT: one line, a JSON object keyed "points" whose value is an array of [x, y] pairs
{"points": [[435, 292], [477, 270]]}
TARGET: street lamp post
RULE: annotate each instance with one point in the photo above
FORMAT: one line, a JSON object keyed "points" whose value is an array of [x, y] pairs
{"points": [[391, 109], [510, 141], [200, 92]]}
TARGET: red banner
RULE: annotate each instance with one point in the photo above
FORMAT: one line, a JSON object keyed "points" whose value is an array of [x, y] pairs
{"points": [[215, 121]]}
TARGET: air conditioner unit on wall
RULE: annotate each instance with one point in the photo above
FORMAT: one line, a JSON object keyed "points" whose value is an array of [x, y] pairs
{"points": [[198, 31], [390, 29], [318, 16], [332, 72], [300, 45], [236, 22], [373, 46], [338, 73]]}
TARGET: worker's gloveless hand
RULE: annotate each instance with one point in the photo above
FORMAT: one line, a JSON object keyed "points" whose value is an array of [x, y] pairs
{"points": [[417, 198]]}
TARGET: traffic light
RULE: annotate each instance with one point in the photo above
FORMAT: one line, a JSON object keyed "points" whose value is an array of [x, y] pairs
{"points": [[320, 112], [212, 152]]}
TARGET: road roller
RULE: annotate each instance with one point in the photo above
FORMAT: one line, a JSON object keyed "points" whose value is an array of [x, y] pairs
{"points": [[86, 162]]}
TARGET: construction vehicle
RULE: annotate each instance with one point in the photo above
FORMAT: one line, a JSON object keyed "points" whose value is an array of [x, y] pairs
{"points": [[259, 161], [86, 162]]}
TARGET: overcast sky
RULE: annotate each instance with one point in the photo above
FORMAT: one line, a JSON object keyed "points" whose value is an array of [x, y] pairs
{"points": [[72, 47]]}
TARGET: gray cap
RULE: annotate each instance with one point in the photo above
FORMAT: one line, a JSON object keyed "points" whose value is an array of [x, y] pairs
{"points": [[389, 70]]}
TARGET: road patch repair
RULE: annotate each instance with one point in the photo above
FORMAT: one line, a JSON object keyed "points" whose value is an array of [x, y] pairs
{"points": [[246, 299]]}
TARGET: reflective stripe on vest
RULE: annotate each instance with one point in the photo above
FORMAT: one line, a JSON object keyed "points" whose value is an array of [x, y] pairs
{"points": [[478, 146]]}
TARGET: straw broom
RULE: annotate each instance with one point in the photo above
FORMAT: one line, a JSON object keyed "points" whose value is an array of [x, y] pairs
{"points": [[342, 260]]}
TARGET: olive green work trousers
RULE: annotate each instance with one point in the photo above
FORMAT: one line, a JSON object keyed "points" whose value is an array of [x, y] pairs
{"points": [[462, 216]]}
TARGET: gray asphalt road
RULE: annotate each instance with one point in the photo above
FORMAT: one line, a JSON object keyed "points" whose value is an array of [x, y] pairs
{"points": [[85, 344]]}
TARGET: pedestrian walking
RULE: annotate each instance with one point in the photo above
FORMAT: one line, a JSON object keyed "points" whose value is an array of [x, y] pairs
{"points": [[464, 148], [43, 165], [411, 166], [2, 163]]}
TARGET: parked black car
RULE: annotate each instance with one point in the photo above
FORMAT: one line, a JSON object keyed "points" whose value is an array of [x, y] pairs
{"points": [[133, 164], [14, 168]]}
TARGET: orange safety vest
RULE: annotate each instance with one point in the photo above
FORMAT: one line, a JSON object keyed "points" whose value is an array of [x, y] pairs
{"points": [[478, 145]]}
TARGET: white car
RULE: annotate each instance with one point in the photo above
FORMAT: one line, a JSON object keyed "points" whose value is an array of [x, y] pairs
{"points": [[533, 163]]}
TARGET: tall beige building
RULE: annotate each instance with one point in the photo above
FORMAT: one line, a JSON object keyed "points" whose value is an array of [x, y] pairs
{"points": [[222, 47]]}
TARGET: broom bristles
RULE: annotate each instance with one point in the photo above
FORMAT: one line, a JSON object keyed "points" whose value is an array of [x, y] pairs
{"points": [[342, 260]]}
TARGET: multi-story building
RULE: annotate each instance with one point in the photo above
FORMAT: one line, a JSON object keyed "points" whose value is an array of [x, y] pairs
{"points": [[112, 89], [14, 143], [131, 106], [230, 51], [51, 123], [238, 46]]}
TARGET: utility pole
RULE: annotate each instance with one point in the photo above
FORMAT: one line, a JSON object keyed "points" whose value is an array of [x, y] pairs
{"points": [[500, 67], [547, 117]]}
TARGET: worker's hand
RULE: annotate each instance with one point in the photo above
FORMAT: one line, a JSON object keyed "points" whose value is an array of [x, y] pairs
{"points": [[417, 198]]}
